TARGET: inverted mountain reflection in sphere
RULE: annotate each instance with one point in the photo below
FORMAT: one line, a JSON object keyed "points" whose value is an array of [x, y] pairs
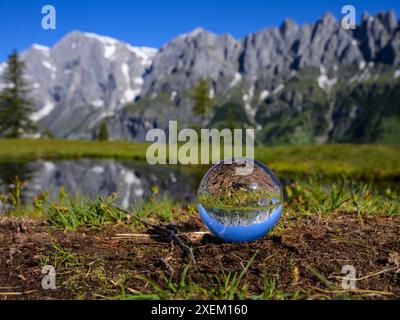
{"points": [[239, 200]]}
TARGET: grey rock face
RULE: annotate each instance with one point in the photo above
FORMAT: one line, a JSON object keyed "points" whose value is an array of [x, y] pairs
{"points": [[271, 52], [83, 79], [375, 33], [274, 51], [189, 57]]}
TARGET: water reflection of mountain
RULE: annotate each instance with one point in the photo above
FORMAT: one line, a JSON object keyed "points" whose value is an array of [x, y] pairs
{"points": [[91, 178]]}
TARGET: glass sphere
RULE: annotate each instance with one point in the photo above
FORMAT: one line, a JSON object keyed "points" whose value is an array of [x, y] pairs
{"points": [[239, 200]]}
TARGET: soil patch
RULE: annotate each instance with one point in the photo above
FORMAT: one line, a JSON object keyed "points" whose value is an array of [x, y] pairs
{"points": [[305, 258]]}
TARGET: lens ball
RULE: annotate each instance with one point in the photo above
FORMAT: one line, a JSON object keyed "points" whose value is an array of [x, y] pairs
{"points": [[239, 200]]}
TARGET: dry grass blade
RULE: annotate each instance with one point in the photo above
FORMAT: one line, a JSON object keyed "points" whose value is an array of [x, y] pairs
{"points": [[11, 293], [192, 235], [363, 291], [369, 275]]}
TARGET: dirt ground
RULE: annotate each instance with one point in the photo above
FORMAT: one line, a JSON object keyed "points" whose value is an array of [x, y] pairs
{"points": [[305, 256]]}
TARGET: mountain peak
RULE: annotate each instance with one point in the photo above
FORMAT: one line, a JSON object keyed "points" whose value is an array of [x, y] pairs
{"points": [[83, 36], [195, 33], [40, 47], [287, 26], [390, 20], [328, 18], [102, 39]]}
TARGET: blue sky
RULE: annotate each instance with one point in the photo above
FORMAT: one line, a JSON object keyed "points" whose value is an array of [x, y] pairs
{"points": [[154, 22]]}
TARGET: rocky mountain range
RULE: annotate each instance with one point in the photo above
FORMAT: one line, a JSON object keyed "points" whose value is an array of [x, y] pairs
{"points": [[311, 83]]}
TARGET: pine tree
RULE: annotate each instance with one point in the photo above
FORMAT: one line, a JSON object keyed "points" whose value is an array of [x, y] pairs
{"points": [[15, 106], [103, 132], [201, 97], [231, 120]]}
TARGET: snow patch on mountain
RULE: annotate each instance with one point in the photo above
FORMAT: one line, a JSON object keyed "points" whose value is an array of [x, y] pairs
{"points": [[109, 51], [49, 66], [278, 89], [264, 95], [131, 93], [98, 103], [325, 83], [138, 81], [110, 44], [323, 80], [42, 49], [174, 93], [211, 93], [146, 54], [43, 112], [103, 39], [236, 79], [125, 72]]}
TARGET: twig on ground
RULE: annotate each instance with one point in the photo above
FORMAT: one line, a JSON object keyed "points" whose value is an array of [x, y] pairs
{"points": [[369, 275], [121, 236], [167, 265], [10, 293], [163, 230], [354, 291], [191, 235]]}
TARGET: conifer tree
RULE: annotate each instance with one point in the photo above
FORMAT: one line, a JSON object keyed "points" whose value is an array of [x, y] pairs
{"points": [[201, 98], [15, 106], [103, 132]]}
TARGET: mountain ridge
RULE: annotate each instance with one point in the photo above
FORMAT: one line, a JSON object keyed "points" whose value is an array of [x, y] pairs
{"points": [[135, 89]]}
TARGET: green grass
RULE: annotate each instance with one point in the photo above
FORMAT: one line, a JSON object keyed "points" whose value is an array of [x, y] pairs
{"points": [[223, 285], [60, 256], [377, 161], [303, 197], [316, 196], [25, 149], [72, 213]]}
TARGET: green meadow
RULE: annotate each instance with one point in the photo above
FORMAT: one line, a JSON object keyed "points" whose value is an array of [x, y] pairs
{"points": [[376, 161]]}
